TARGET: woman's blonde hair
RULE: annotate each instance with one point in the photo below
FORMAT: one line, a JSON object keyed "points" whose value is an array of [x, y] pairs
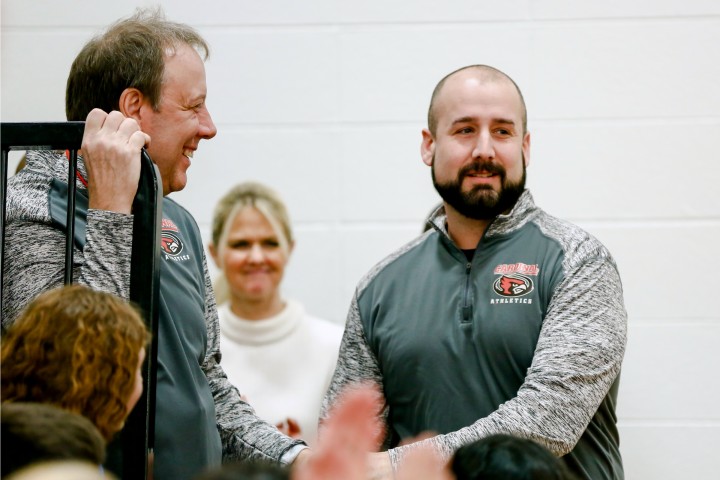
{"points": [[241, 196], [78, 349]]}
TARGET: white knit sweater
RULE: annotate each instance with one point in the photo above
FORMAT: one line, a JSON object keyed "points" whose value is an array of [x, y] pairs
{"points": [[282, 364]]}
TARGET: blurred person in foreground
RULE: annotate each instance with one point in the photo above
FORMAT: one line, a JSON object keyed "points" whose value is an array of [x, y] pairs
{"points": [[61, 470], [38, 432], [80, 350], [499, 319], [278, 355], [141, 83], [504, 457]]}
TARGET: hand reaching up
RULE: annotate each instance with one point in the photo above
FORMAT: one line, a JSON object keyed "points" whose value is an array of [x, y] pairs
{"points": [[349, 442], [111, 151], [352, 429]]}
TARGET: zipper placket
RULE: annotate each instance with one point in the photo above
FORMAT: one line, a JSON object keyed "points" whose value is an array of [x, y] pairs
{"points": [[467, 306]]}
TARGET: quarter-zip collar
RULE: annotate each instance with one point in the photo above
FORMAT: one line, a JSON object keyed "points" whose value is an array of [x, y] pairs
{"points": [[521, 213]]}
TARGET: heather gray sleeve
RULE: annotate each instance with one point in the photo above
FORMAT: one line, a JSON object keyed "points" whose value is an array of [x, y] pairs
{"points": [[244, 436], [35, 258], [356, 363], [578, 356]]}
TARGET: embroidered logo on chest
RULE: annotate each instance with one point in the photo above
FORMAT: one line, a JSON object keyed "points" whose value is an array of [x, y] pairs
{"points": [[170, 243], [515, 280]]}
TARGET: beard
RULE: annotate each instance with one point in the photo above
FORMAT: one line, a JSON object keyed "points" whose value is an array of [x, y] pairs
{"points": [[481, 202]]}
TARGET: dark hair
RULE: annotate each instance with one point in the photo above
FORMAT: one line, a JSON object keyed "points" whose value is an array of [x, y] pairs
{"points": [[131, 53], [78, 349], [504, 457], [33, 432], [252, 470], [489, 73]]}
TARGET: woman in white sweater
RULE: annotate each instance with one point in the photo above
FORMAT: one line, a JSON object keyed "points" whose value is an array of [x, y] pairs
{"points": [[279, 357]]}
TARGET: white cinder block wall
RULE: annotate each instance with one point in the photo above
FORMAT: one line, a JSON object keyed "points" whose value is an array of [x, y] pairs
{"points": [[324, 100]]}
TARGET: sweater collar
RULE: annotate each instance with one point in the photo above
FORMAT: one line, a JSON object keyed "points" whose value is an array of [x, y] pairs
{"points": [[260, 332], [517, 217]]}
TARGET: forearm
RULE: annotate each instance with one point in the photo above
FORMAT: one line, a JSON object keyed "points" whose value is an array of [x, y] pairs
{"points": [[356, 364], [244, 436], [577, 359]]}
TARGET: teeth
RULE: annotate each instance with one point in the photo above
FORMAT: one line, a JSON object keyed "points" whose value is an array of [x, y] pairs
{"points": [[188, 153]]}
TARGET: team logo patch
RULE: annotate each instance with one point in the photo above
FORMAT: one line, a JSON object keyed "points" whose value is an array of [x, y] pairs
{"points": [[513, 285], [171, 244]]}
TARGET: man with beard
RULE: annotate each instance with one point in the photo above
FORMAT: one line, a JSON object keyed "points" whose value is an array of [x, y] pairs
{"points": [[500, 319]]}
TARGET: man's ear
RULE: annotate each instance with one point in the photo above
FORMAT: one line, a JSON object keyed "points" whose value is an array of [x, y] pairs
{"points": [[526, 148], [427, 147], [131, 102]]}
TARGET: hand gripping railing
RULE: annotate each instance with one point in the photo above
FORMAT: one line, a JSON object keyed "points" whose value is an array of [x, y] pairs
{"points": [[138, 434]]}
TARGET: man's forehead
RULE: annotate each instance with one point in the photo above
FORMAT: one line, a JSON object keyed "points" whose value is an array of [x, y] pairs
{"points": [[467, 89]]}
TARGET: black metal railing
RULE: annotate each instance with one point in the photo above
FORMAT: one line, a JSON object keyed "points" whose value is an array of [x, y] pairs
{"points": [[137, 437]]}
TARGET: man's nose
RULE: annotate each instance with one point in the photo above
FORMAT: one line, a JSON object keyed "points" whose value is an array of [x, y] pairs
{"points": [[484, 148], [207, 126]]}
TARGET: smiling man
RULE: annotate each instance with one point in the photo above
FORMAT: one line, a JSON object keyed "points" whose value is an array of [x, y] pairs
{"points": [[149, 74], [500, 318]]}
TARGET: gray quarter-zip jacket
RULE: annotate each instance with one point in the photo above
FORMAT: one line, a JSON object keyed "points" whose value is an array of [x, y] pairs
{"points": [[200, 418], [525, 339]]}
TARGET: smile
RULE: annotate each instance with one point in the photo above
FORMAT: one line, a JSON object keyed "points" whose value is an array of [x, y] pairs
{"points": [[481, 175]]}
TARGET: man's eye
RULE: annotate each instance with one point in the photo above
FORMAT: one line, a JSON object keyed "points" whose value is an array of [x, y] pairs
{"points": [[271, 243], [465, 130], [239, 244]]}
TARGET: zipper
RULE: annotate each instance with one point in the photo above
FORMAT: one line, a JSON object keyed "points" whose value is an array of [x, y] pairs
{"points": [[467, 306]]}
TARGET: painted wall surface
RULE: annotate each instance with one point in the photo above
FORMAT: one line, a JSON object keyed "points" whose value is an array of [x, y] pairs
{"points": [[324, 100]]}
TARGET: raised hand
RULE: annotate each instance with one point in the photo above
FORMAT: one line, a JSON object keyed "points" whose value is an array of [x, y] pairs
{"points": [[111, 151], [352, 429]]}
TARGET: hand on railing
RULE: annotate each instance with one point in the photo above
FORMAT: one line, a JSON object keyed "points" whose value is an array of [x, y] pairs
{"points": [[111, 151]]}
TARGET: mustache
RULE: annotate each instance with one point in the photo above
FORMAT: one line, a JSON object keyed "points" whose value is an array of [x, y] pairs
{"points": [[478, 166]]}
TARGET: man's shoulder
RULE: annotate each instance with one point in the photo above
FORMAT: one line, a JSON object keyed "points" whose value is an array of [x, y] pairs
{"points": [[175, 212], [577, 243], [385, 268], [27, 194]]}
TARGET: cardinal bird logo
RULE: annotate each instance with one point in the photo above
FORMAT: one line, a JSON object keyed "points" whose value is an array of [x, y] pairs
{"points": [[171, 244], [513, 285]]}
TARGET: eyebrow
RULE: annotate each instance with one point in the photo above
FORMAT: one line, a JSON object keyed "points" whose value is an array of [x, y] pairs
{"points": [[504, 121]]}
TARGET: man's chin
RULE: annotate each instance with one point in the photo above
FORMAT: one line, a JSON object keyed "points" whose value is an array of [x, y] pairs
{"points": [[482, 194]]}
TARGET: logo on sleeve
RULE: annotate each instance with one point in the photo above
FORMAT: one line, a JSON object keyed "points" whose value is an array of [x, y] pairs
{"points": [[514, 281], [170, 243]]}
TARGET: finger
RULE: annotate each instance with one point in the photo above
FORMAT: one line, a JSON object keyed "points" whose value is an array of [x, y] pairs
{"points": [[139, 139], [113, 121], [128, 126], [95, 120]]}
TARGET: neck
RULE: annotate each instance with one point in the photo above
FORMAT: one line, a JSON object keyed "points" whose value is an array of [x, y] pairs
{"points": [[257, 309], [465, 232]]}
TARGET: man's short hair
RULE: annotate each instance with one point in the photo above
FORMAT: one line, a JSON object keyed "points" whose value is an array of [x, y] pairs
{"points": [[489, 73], [130, 54], [34, 432], [506, 457]]}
